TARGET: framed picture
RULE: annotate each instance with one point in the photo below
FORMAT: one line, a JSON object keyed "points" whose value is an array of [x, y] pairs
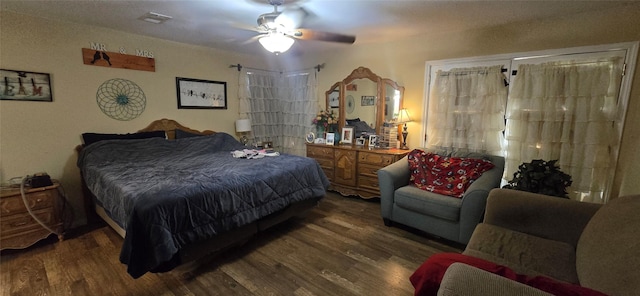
{"points": [[347, 135], [201, 94], [310, 137], [330, 139], [360, 141], [267, 145], [25, 86], [334, 99], [373, 141], [367, 100], [352, 87]]}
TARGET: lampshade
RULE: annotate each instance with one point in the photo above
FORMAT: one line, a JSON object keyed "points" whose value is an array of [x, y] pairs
{"points": [[276, 42], [404, 116], [243, 125]]}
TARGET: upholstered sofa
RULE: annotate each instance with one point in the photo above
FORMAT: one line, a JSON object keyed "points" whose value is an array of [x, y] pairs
{"points": [[542, 237], [448, 217]]}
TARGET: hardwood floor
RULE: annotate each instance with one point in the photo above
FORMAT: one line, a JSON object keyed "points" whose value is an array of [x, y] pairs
{"points": [[341, 248]]}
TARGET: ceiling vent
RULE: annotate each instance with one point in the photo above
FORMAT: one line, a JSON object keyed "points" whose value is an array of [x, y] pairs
{"points": [[155, 18]]}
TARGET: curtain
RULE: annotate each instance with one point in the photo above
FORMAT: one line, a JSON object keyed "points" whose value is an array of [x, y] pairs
{"points": [[281, 107], [566, 111], [466, 110]]}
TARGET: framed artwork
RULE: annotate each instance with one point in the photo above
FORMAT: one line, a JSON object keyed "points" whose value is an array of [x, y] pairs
{"points": [[267, 145], [201, 94], [352, 87], [25, 86], [330, 139], [367, 101], [373, 141], [334, 99], [360, 141], [347, 135]]}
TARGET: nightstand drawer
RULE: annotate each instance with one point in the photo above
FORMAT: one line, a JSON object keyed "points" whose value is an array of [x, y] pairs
{"points": [[35, 200], [376, 158], [24, 222]]}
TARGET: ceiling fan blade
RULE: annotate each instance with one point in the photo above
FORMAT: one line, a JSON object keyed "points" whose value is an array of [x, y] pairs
{"points": [[252, 39], [291, 18], [306, 34]]}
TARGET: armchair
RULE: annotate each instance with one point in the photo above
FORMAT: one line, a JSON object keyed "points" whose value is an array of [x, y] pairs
{"points": [[576, 248], [444, 216]]}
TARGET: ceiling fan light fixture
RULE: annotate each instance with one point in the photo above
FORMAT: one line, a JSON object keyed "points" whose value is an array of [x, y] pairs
{"points": [[276, 42]]}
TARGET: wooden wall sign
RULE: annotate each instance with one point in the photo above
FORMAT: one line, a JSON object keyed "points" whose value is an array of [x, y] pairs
{"points": [[117, 60]]}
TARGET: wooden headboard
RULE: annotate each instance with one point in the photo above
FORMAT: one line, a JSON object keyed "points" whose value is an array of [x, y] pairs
{"points": [[169, 126]]}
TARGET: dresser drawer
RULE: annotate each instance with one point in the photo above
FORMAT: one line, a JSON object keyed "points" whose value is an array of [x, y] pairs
{"points": [[325, 163], [368, 170], [320, 152], [329, 173], [35, 200], [20, 223], [376, 158], [367, 182]]}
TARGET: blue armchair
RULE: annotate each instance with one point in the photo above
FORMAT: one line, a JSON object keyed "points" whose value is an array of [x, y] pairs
{"points": [[444, 216]]}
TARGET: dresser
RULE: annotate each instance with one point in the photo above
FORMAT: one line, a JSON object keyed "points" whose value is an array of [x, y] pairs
{"points": [[352, 170], [18, 228]]}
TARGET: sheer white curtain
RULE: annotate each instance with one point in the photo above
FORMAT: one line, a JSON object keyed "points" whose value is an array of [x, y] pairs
{"points": [[281, 106], [466, 109], [566, 111]]}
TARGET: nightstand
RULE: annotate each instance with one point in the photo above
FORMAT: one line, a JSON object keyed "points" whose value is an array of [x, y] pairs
{"points": [[18, 228]]}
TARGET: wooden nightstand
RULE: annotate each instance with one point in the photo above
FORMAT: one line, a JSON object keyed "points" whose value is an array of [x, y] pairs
{"points": [[18, 229]]}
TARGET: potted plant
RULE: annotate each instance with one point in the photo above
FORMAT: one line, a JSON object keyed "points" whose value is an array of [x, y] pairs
{"points": [[542, 177]]}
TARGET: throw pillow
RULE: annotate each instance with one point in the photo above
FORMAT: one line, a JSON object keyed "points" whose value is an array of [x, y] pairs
{"points": [[443, 174]]}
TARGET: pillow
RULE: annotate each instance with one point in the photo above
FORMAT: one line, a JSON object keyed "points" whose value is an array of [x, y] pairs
{"points": [[180, 134], [443, 174], [90, 138], [352, 121], [426, 279]]}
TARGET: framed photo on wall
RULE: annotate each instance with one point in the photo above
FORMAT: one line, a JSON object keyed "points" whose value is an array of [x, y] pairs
{"points": [[25, 86], [201, 94], [334, 99], [367, 100], [347, 135]]}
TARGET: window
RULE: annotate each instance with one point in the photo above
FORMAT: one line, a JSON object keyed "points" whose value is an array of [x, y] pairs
{"points": [[564, 104]]}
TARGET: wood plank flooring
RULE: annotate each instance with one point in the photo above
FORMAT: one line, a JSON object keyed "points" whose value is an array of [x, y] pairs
{"points": [[341, 248]]}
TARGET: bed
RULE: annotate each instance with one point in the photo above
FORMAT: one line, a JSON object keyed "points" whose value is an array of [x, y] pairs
{"points": [[177, 198]]}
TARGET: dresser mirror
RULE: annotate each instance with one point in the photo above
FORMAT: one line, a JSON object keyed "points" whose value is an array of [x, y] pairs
{"points": [[393, 94], [365, 101], [333, 98]]}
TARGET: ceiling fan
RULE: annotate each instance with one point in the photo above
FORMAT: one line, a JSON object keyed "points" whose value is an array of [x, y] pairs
{"points": [[279, 29]]}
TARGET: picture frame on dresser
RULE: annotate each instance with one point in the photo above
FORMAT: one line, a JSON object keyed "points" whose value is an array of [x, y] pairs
{"points": [[330, 139], [373, 141], [347, 135], [360, 141]]}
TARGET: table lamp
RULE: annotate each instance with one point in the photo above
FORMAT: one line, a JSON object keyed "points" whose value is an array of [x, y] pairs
{"points": [[403, 117], [243, 126]]}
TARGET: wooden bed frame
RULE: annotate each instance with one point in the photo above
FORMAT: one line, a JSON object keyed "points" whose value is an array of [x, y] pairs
{"points": [[96, 214]]}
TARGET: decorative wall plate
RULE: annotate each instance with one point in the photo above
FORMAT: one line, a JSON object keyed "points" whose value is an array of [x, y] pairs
{"points": [[121, 99], [351, 104]]}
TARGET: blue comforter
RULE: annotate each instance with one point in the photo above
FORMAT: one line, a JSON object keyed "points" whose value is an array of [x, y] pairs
{"points": [[167, 194]]}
